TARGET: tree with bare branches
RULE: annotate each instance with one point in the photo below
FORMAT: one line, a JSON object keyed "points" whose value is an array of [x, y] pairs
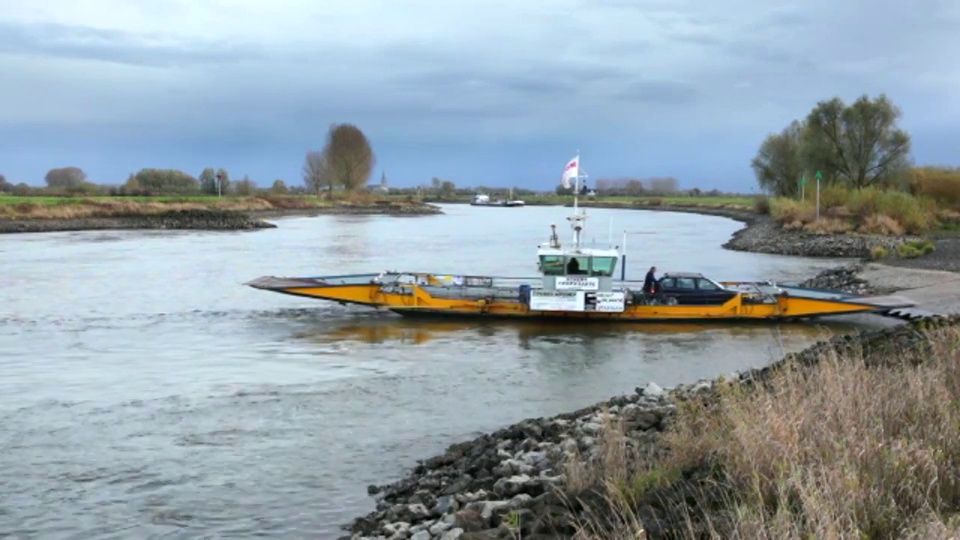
{"points": [[349, 157], [315, 175]]}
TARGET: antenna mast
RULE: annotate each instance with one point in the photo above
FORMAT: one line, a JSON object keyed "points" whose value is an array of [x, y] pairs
{"points": [[576, 221]]}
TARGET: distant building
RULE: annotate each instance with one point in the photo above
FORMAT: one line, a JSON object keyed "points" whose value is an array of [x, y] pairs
{"points": [[382, 186]]}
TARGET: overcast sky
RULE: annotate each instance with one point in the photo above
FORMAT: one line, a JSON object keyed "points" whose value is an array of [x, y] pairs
{"points": [[496, 92]]}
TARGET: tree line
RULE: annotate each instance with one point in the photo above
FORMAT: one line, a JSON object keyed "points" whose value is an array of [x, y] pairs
{"points": [[344, 163], [73, 181]]}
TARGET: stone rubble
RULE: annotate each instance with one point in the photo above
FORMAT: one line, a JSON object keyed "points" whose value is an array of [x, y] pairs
{"points": [[763, 235], [471, 491], [845, 279]]}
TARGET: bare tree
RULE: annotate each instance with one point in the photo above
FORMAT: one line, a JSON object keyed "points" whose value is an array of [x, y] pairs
{"points": [[315, 173], [279, 187], [349, 158], [245, 187], [664, 186]]}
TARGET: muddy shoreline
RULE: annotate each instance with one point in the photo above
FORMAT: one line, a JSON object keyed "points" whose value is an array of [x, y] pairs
{"points": [[202, 219]]}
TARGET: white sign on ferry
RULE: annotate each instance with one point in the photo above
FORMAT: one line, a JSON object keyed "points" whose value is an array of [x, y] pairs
{"points": [[610, 302], [567, 283], [541, 300]]}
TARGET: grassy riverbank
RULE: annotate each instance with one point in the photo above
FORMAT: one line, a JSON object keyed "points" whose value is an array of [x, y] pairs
{"points": [[858, 443], [13, 207], [50, 214]]}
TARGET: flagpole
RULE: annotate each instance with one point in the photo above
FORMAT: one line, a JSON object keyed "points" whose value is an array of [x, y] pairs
{"points": [[576, 184]]}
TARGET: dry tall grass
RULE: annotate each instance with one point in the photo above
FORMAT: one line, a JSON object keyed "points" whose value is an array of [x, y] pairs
{"points": [[868, 210], [939, 183], [851, 447], [602, 484]]}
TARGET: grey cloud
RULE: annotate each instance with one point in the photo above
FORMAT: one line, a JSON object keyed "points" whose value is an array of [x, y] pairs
{"points": [[657, 92], [723, 59], [113, 46]]}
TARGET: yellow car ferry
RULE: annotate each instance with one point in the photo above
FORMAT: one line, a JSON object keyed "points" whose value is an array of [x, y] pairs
{"points": [[576, 282]]}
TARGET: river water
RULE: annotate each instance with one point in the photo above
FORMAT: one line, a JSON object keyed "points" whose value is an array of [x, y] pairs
{"points": [[146, 392]]}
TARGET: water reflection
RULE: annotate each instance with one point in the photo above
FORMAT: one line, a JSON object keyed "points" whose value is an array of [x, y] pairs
{"points": [[380, 328]]}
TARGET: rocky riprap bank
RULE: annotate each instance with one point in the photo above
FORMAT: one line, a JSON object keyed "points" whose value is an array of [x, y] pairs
{"points": [[470, 492], [845, 279], [510, 483], [764, 235], [173, 219]]}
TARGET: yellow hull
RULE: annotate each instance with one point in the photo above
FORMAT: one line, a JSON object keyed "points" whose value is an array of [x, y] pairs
{"points": [[415, 299]]}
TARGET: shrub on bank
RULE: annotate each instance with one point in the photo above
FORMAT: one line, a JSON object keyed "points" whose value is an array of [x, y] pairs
{"points": [[855, 445], [828, 225], [877, 253], [881, 224], [938, 183], [762, 205], [867, 210], [914, 249]]}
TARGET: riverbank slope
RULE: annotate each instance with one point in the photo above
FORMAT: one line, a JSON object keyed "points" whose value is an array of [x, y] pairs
{"points": [[611, 466]]}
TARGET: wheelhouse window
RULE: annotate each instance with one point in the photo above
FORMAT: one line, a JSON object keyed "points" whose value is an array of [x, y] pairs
{"points": [[557, 265], [552, 265], [602, 266]]}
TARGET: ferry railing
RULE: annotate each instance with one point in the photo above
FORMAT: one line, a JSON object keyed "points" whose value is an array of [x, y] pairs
{"points": [[345, 279], [766, 291], [454, 279]]}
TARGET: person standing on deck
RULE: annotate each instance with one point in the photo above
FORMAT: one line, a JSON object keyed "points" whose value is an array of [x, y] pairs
{"points": [[650, 282]]}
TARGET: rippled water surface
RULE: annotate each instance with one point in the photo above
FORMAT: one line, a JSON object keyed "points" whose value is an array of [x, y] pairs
{"points": [[144, 391]]}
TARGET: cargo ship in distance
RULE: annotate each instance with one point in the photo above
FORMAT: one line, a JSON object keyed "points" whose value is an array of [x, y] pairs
{"points": [[481, 199], [581, 283]]}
